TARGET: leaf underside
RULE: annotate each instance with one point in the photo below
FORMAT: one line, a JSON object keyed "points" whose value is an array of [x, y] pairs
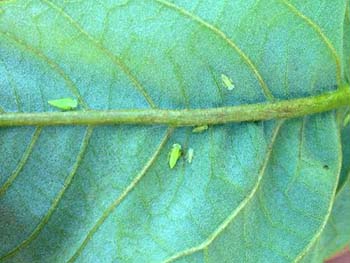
{"points": [[254, 192]]}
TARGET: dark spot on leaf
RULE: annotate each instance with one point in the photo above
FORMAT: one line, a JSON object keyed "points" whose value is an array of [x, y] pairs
{"points": [[326, 167]]}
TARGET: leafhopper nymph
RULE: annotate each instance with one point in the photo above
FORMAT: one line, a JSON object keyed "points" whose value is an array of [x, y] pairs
{"points": [[228, 83], [200, 129], [174, 155], [189, 156], [64, 104]]}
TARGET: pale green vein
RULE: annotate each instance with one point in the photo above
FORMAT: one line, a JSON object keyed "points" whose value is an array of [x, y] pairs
{"points": [[106, 51], [206, 256], [321, 34], [276, 251], [237, 210], [276, 225], [70, 84], [56, 201], [299, 161], [123, 195], [222, 35], [245, 235], [13, 85], [22, 162], [180, 79], [330, 207]]}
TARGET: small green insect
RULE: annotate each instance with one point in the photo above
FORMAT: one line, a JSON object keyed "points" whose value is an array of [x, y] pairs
{"points": [[174, 155], [189, 155], [347, 120], [64, 104], [228, 83], [200, 129]]}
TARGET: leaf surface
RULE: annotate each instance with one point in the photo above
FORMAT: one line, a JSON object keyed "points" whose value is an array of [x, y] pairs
{"points": [[254, 191], [337, 233]]}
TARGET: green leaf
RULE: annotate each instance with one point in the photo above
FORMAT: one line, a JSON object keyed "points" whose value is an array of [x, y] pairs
{"points": [[336, 234], [256, 192]]}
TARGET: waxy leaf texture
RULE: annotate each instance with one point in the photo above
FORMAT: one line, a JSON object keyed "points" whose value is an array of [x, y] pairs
{"points": [[254, 191]]}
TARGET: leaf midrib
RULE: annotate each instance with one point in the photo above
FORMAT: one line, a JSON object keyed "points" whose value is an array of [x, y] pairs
{"points": [[249, 112], [155, 0]]}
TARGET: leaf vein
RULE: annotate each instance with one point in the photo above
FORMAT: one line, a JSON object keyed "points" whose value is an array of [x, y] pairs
{"points": [[275, 224], [296, 173], [123, 195], [13, 86], [70, 84], [320, 33], [57, 199], [236, 211], [223, 36], [114, 58], [22, 162], [330, 207]]}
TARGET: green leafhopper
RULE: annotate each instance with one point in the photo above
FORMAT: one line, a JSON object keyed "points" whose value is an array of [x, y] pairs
{"points": [[189, 155], [174, 155], [228, 83], [200, 129], [64, 104]]}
